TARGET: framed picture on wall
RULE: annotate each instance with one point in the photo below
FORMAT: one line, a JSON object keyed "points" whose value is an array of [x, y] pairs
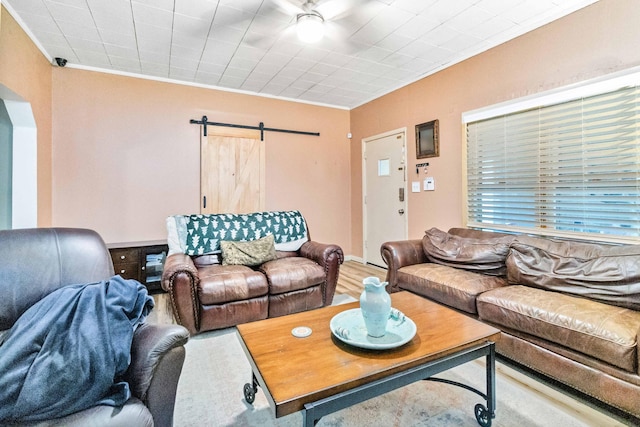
{"points": [[427, 140]]}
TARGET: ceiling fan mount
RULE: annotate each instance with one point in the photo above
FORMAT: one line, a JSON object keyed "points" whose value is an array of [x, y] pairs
{"points": [[314, 19], [310, 23], [309, 7]]}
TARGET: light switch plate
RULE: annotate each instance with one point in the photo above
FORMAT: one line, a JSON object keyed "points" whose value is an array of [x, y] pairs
{"points": [[429, 184], [415, 186]]}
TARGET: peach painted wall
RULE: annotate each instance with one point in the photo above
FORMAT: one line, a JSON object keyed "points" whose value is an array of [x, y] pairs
{"points": [[125, 155], [27, 73], [594, 41]]}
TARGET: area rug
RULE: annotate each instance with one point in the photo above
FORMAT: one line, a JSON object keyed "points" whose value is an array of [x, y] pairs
{"points": [[216, 369]]}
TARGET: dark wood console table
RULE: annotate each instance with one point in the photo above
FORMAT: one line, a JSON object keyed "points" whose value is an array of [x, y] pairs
{"points": [[142, 261]]}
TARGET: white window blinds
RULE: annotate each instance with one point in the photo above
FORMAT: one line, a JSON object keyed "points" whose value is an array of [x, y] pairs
{"points": [[569, 169]]}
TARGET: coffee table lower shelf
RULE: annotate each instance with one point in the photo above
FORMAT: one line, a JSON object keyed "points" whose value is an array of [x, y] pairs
{"points": [[314, 411]]}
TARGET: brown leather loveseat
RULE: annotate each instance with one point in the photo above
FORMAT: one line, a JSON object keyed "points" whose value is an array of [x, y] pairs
{"points": [[209, 290], [34, 263], [569, 310]]}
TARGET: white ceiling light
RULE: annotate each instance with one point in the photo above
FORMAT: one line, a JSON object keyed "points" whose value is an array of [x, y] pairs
{"points": [[310, 27]]}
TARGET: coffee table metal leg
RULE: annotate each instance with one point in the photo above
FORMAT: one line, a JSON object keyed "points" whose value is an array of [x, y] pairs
{"points": [[250, 390], [491, 380], [484, 415], [308, 418]]}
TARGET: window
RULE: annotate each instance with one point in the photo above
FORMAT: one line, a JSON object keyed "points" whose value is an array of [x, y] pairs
{"points": [[564, 167]]}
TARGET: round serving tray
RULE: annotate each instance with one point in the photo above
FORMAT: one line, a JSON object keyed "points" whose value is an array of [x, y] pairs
{"points": [[348, 326]]}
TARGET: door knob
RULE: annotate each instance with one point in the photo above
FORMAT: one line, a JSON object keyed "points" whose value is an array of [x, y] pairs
{"points": [[401, 211]]}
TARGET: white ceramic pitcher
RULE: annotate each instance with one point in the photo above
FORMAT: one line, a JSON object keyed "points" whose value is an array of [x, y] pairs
{"points": [[375, 305]]}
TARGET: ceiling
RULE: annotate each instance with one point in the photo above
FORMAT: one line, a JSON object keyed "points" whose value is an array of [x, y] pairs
{"points": [[370, 48]]}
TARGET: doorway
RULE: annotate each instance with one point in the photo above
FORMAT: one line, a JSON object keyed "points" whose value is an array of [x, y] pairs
{"points": [[384, 192], [6, 167], [232, 171], [19, 193]]}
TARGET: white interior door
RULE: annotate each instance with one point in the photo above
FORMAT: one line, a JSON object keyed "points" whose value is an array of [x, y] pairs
{"points": [[385, 193]]}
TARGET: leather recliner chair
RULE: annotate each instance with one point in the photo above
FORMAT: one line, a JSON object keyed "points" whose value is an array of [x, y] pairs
{"points": [[36, 262]]}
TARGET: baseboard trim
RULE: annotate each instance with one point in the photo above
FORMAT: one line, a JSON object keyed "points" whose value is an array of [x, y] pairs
{"points": [[354, 258]]}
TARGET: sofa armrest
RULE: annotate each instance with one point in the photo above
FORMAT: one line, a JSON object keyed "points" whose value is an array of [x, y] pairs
{"points": [[180, 279], [157, 356], [399, 254], [330, 257]]}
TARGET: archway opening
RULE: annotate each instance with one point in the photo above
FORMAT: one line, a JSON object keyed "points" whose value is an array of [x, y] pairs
{"points": [[18, 162]]}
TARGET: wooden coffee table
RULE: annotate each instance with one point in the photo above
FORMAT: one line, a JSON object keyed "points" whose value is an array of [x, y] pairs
{"points": [[320, 374]]}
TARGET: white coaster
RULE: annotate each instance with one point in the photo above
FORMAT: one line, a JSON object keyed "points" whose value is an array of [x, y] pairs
{"points": [[301, 331]]}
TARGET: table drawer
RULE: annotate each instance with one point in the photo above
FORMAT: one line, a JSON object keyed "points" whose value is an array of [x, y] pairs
{"points": [[127, 270], [125, 256]]}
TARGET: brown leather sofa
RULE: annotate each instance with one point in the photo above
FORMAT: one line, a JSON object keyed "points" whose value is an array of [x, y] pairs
{"points": [[568, 310], [36, 262], [207, 295]]}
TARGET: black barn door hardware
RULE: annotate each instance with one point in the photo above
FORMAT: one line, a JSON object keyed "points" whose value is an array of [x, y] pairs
{"points": [[204, 122]]}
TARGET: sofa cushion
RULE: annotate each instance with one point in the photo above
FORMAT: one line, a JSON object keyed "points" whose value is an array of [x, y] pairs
{"points": [[209, 259], [291, 274], [447, 285], [251, 253], [599, 330], [295, 301], [218, 316], [474, 233], [606, 273], [484, 255], [221, 284]]}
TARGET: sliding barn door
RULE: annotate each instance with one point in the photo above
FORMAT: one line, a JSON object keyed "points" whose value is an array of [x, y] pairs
{"points": [[231, 171]]}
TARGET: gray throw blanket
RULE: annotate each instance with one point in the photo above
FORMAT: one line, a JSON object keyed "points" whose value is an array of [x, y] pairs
{"points": [[69, 351]]}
